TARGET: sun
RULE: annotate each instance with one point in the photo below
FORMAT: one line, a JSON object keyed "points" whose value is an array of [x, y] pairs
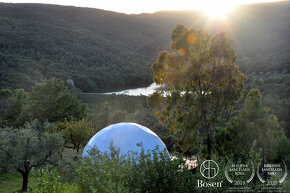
{"points": [[217, 9]]}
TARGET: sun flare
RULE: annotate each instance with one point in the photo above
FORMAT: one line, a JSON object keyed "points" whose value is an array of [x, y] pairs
{"points": [[217, 9]]}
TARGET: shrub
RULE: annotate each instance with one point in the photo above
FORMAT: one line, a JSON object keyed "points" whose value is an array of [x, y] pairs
{"points": [[145, 172], [50, 181]]}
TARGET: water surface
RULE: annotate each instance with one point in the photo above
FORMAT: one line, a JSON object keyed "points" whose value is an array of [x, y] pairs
{"points": [[137, 91]]}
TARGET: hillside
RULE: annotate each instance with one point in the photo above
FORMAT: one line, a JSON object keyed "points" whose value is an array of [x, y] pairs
{"points": [[41, 41], [101, 50]]}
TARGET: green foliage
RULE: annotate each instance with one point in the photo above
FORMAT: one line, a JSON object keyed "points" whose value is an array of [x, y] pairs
{"points": [[77, 133], [49, 181], [253, 125], [14, 108], [283, 148], [18, 111], [25, 148], [51, 101], [49, 44], [202, 81], [143, 173], [225, 145], [20, 145], [103, 174], [4, 95], [155, 172], [275, 89]]}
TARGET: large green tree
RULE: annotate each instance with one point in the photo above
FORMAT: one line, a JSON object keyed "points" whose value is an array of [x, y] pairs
{"points": [[18, 111], [13, 106], [201, 81], [52, 101], [253, 128], [28, 147]]}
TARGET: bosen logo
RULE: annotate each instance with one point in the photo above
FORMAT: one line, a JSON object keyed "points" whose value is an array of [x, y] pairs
{"points": [[209, 169]]}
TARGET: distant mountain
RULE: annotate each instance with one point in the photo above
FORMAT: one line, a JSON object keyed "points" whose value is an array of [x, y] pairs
{"points": [[100, 49]]}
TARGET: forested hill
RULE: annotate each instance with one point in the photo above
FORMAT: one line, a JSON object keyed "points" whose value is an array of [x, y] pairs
{"points": [[100, 49]]}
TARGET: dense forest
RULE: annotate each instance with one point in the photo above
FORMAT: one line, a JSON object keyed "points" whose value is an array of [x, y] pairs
{"points": [[105, 50]]}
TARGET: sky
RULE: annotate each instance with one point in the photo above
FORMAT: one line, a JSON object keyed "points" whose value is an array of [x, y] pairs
{"points": [[149, 6]]}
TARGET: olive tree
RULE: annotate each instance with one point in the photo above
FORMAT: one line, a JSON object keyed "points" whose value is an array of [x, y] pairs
{"points": [[27, 148]]}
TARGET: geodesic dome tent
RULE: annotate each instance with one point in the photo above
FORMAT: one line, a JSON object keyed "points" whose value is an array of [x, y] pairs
{"points": [[127, 137]]}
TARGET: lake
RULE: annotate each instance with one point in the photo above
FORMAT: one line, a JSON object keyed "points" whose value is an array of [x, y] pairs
{"points": [[136, 91]]}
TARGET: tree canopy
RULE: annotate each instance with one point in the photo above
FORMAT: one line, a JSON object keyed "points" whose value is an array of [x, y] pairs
{"points": [[77, 133], [52, 101], [201, 80], [253, 128], [28, 147]]}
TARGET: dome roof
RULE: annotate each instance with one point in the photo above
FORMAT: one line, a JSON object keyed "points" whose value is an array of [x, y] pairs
{"points": [[127, 137]]}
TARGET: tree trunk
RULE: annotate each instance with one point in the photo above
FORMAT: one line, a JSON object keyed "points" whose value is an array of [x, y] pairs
{"points": [[78, 148], [208, 146], [24, 172], [25, 181]]}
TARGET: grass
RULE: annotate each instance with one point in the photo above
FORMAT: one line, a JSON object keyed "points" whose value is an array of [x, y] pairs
{"points": [[12, 182]]}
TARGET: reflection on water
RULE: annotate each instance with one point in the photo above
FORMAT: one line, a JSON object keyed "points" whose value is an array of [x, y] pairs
{"points": [[137, 91]]}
